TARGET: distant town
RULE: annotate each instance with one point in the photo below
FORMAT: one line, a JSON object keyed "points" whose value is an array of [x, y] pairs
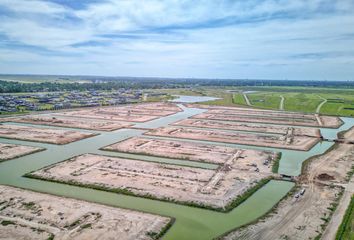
{"points": [[12, 103]]}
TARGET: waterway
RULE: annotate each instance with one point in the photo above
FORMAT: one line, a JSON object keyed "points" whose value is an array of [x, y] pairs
{"points": [[191, 223], [192, 99]]}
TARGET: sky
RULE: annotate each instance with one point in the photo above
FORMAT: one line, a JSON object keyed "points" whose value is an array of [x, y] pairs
{"points": [[252, 39]]}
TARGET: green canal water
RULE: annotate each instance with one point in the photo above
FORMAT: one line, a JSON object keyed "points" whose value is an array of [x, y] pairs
{"points": [[191, 223]]}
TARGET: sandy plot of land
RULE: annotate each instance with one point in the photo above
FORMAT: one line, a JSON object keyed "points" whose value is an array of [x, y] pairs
{"points": [[294, 219], [46, 135], [108, 115], [240, 126], [130, 113], [136, 111], [162, 106], [349, 135], [187, 150], [73, 122], [254, 112], [30, 215], [10, 151], [288, 141], [213, 188], [315, 121]]}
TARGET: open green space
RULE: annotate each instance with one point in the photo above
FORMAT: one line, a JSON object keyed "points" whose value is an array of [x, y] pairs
{"points": [[265, 100], [339, 102], [346, 229]]}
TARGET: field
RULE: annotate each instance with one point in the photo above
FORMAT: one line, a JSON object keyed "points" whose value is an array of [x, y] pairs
{"points": [[249, 127], [45, 135], [287, 141], [214, 189], [272, 117], [335, 101], [346, 229], [72, 122], [30, 215], [10, 151]]}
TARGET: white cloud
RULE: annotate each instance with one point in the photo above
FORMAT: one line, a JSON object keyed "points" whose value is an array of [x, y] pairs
{"points": [[197, 49]]}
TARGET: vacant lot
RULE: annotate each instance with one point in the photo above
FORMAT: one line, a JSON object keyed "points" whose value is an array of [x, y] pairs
{"points": [[129, 113], [72, 122], [10, 151], [187, 150], [46, 135], [272, 117], [187, 185], [250, 127], [288, 141], [30, 215]]}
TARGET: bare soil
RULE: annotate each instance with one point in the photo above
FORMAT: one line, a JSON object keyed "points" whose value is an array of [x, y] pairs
{"points": [[72, 122], [129, 113], [202, 187], [108, 115], [45, 135], [30, 215], [10, 151], [264, 117], [288, 141], [251, 127], [189, 151]]}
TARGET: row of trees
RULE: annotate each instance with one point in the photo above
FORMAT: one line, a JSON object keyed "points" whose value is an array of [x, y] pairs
{"points": [[151, 83]]}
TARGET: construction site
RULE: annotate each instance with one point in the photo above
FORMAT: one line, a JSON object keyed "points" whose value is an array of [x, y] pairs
{"points": [[207, 159], [287, 141], [188, 151], [10, 151], [58, 121], [215, 189], [30, 215], [45, 135]]}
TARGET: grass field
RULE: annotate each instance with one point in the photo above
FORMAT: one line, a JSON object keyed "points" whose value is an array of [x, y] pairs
{"points": [[341, 104], [265, 100], [346, 229]]}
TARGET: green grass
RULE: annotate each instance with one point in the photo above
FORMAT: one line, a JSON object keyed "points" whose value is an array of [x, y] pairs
{"points": [[346, 229], [239, 99], [267, 100], [301, 102], [340, 102], [226, 100], [6, 223]]}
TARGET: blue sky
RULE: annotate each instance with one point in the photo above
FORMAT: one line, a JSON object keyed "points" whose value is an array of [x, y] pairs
{"points": [[269, 39]]}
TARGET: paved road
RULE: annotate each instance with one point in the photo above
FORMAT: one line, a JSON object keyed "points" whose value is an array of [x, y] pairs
{"points": [[246, 99], [281, 105], [318, 109]]}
